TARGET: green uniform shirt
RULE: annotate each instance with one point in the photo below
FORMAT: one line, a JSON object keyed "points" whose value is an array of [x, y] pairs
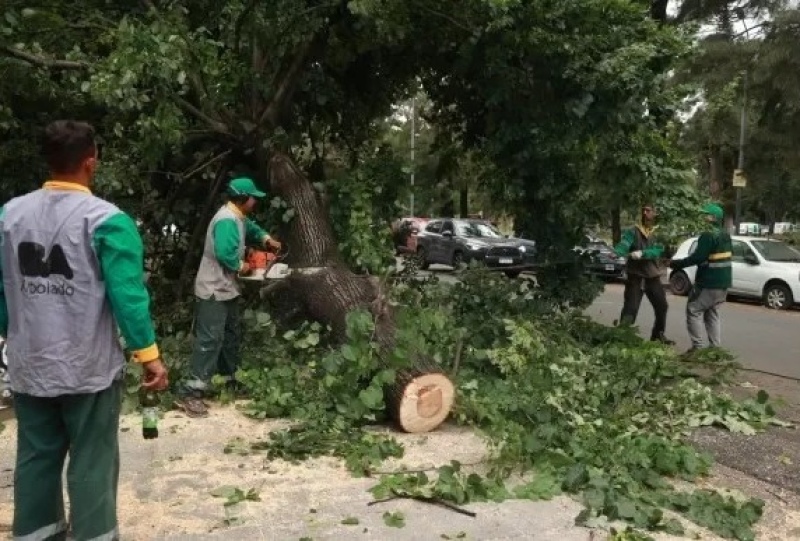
{"points": [[713, 256], [223, 253]]}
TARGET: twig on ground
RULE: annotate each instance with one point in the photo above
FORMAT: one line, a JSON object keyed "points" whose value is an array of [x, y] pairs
{"points": [[425, 499]]}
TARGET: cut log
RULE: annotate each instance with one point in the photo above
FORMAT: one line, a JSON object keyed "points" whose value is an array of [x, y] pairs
{"points": [[422, 397], [420, 401]]}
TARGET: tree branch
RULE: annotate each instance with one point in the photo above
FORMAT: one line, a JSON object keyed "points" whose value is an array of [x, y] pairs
{"points": [[747, 29], [237, 33], [42, 61], [287, 85], [215, 125]]}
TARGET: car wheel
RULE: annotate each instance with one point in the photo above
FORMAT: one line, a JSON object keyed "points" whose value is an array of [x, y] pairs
{"points": [[778, 297], [679, 283], [512, 274], [458, 260], [422, 258]]}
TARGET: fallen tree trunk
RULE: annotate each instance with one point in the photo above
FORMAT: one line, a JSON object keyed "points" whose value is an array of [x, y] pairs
{"points": [[421, 398]]}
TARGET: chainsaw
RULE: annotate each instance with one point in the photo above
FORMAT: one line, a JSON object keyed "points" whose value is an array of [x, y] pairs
{"points": [[266, 265]]}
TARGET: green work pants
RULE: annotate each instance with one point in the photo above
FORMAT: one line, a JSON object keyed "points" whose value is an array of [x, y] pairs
{"points": [[217, 338], [85, 426]]}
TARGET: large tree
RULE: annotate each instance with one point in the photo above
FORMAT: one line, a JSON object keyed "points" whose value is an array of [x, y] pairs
{"points": [[193, 92], [747, 60]]}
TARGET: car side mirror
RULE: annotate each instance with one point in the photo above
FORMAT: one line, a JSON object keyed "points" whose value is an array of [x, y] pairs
{"points": [[750, 259], [447, 233]]}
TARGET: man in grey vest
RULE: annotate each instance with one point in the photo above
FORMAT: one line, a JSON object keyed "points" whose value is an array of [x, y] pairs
{"points": [[72, 276], [217, 324]]}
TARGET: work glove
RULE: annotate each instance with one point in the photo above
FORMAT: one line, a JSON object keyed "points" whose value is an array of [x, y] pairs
{"points": [[636, 255], [272, 243]]}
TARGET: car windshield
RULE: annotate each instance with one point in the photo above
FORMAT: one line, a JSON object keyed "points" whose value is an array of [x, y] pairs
{"points": [[476, 229], [772, 250]]}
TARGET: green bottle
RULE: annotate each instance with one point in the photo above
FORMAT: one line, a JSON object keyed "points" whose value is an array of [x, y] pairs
{"points": [[149, 402]]}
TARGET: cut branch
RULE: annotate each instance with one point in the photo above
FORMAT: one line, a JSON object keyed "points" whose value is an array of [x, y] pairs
{"points": [[43, 61], [287, 86]]}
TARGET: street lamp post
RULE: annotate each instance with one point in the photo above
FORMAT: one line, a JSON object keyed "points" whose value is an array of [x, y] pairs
{"points": [[738, 184]]}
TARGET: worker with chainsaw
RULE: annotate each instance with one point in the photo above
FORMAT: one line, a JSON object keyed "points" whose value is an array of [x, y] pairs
{"points": [[217, 328], [643, 268]]}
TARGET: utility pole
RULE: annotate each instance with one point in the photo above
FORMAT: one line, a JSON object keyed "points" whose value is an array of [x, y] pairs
{"points": [[413, 141], [739, 184]]}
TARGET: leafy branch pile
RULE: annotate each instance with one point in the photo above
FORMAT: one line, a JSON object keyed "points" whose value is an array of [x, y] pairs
{"points": [[566, 405]]}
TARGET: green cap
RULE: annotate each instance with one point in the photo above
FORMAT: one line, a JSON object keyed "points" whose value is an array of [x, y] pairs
{"points": [[244, 186], [714, 210]]}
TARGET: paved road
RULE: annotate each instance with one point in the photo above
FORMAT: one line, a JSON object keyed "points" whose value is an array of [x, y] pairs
{"points": [[761, 338]]}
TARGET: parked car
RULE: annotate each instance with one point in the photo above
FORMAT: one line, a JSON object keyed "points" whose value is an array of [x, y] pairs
{"points": [[763, 268], [404, 234], [448, 241], [601, 260]]}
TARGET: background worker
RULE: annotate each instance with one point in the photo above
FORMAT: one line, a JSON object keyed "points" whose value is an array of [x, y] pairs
{"points": [[217, 321], [713, 257], [639, 245]]}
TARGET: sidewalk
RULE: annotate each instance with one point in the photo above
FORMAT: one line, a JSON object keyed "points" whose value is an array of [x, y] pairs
{"points": [[165, 491]]}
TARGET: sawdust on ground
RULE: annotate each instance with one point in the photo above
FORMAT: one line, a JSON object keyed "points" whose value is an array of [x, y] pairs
{"points": [[166, 484]]}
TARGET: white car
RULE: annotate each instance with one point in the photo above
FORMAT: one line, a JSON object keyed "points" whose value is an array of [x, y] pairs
{"points": [[763, 268]]}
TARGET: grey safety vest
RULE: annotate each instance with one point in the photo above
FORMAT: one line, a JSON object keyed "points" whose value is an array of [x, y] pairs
{"points": [[212, 278], [62, 336]]}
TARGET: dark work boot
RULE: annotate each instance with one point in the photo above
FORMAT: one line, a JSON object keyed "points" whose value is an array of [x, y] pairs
{"points": [[663, 339]]}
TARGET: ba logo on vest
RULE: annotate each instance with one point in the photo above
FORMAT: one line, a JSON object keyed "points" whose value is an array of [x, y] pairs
{"points": [[34, 262]]}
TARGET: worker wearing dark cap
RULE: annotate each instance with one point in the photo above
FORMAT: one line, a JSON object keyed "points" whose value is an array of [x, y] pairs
{"points": [[217, 322], [713, 256]]}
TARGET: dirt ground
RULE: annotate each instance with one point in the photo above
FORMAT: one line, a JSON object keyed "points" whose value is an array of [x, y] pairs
{"points": [[166, 485]]}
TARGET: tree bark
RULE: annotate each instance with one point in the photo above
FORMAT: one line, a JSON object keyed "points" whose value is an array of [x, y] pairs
{"points": [[658, 10], [463, 207], [616, 225], [329, 291], [714, 171]]}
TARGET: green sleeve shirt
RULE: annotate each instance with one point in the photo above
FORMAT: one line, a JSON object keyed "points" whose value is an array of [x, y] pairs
{"points": [[120, 252], [625, 245], [226, 241]]}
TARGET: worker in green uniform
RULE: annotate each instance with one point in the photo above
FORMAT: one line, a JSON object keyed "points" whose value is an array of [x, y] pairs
{"points": [[643, 270], [217, 323], [713, 256], [72, 279]]}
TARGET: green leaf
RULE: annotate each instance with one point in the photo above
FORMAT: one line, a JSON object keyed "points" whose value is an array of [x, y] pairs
{"points": [[372, 397], [577, 476], [225, 491], [395, 519], [350, 521], [349, 353]]}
